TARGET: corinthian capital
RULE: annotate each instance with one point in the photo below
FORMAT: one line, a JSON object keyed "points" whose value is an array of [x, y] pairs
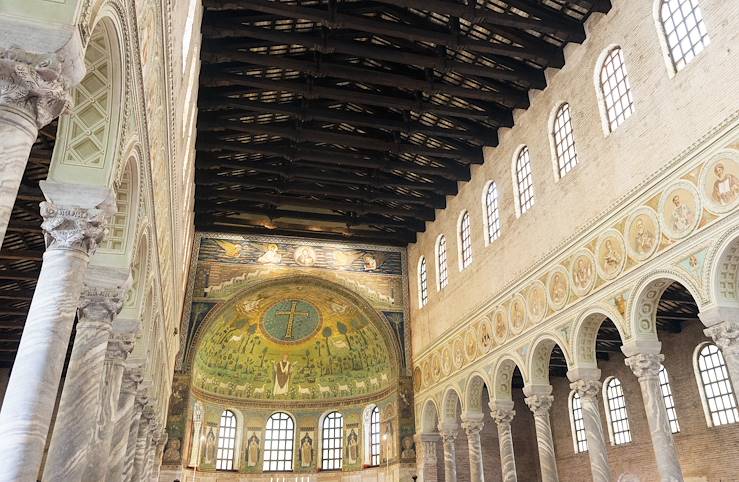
{"points": [[34, 84], [587, 388], [472, 427], [132, 378], [539, 404], [645, 365], [120, 346], [503, 415], [103, 294], [724, 334]]}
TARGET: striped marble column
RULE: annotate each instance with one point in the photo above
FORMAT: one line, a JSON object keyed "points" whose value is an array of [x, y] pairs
{"points": [[133, 434], [132, 377], [539, 406], [427, 461], [448, 438], [472, 426], [158, 453], [142, 443], [74, 223], [588, 391], [101, 301], [646, 367], [503, 413], [151, 443], [99, 453], [32, 94]]}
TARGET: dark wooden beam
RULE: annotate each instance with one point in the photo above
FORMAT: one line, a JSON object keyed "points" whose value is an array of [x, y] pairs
{"points": [[16, 295], [21, 254], [17, 275]]}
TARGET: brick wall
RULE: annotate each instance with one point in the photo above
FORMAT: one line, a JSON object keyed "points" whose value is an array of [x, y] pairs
{"points": [[710, 454]]}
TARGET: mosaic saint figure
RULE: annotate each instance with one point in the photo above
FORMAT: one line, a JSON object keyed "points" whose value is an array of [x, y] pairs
{"points": [[305, 256], [725, 187], [306, 451], [409, 451], [172, 453], [271, 256], [352, 447], [252, 451], [210, 447], [682, 216], [282, 371], [370, 262]]}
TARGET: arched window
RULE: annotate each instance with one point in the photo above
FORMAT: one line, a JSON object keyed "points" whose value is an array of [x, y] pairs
{"points": [[374, 431], [279, 440], [578, 424], [226, 441], [423, 282], [615, 88], [618, 419], [684, 30], [664, 384], [332, 441], [465, 241], [492, 213], [442, 271], [524, 180], [564, 140], [718, 395]]}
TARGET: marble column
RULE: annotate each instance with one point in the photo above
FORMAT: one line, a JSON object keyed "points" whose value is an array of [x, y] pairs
{"points": [[74, 224], [32, 94], [588, 389], [726, 336], [539, 404], [132, 378], [101, 301], [503, 413], [158, 453], [448, 438], [142, 444], [427, 461], [472, 424], [99, 454], [646, 367], [151, 442], [197, 424], [137, 419]]}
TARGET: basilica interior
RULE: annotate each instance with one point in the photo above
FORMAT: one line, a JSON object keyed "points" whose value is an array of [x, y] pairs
{"points": [[369, 240]]}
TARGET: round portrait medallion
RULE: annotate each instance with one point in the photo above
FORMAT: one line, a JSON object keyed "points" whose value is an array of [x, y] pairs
{"points": [[642, 233], [611, 254], [680, 210], [719, 182], [558, 287], [518, 314]]}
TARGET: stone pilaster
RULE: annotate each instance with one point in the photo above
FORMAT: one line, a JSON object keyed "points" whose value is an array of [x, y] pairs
{"points": [[100, 302], [646, 367], [197, 425], [503, 413], [137, 419], [448, 438], [472, 426], [427, 459], [132, 378], [539, 404], [726, 336], [32, 94], [99, 454], [74, 224], [588, 391]]}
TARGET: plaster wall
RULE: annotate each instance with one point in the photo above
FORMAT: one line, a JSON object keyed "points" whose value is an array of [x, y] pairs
{"points": [[671, 114]]}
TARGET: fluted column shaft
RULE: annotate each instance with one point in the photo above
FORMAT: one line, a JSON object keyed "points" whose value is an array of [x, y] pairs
{"points": [[32, 94], [72, 234], [427, 459], [540, 405], [588, 391], [122, 425], [726, 336], [133, 436], [503, 413], [448, 438], [99, 453], [646, 367], [100, 302], [472, 427]]}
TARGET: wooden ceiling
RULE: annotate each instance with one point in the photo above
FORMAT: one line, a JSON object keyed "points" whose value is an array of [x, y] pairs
{"points": [[354, 119]]}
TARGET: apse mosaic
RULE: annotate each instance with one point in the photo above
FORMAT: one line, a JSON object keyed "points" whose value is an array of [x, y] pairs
{"points": [[297, 340]]}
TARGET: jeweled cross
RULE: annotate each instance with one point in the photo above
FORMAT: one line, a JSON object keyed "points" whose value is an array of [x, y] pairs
{"points": [[291, 317]]}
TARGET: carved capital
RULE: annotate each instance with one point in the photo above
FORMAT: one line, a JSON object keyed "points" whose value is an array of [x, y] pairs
{"points": [[724, 334], [645, 365], [103, 295], [503, 415], [119, 347], [132, 378], [539, 404], [472, 427], [73, 228], [34, 84], [448, 436], [587, 389]]}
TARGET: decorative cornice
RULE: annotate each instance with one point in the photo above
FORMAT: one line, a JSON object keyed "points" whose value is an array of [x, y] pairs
{"points": [[34, 84]]}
